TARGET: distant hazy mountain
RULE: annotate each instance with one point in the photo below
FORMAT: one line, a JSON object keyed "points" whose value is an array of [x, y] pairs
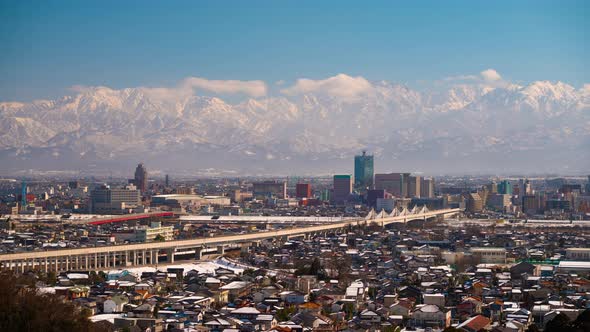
{"points": [[473, 128]]}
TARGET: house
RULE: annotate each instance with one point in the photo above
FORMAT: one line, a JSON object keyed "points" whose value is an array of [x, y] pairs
{"points": [[475, 324], [212, 283], [313, 320], [219, 324], [369, 316], [523, 267], [139, 324], [293, 297], [436, 299], [410, 292], [245, 313], [469, 306], [403, 308], [356, 291], [310, 306], [236, 289], [428, 315], [143, 311], [388, 300], [265, 322], [114, 304]]}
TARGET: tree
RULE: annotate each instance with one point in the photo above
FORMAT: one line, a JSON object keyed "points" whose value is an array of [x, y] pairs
{"points": [[159, 238], [451, 329], [315, 267], [582, 323], [560, 323], [284, 314], [25, 309], [348, 309]]}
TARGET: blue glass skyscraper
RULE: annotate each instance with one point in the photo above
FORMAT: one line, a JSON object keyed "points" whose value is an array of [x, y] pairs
{"points": [[363, 171]]}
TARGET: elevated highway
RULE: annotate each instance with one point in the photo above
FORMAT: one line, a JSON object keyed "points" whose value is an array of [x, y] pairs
{"points": [[116, 256]]}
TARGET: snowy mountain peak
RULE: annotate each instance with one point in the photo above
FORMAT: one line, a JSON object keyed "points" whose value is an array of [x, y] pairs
{"points": [[399, 124]]}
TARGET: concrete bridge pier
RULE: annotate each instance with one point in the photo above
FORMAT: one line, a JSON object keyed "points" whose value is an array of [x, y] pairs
{"points": [[170, 255], [244, 247], [199, 253], [154, 256], [220, 249]]}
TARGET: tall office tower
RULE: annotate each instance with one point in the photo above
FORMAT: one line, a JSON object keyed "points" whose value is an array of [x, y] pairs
{"points": [[414, 186], [303, 190], [114, 200], [363, 171], [474, 203], [394, 183], [270, 189], [531, 204], [23, 200], [167, 181], [493, 187], [140, 179], [342, 188], [588, 186], [528, 189], [427, 188], [505, 187]]}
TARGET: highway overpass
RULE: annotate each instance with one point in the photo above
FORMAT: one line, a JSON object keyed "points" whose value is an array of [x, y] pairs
{"points": [[120, 256]]}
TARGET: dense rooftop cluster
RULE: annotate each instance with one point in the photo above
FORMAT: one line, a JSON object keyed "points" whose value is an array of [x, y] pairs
{"points": [[407, 278]]}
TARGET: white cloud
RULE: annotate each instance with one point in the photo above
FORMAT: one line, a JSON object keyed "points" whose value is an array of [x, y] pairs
{"points": [[490, 75], [340, 86], [461, 78], [187, 87], [251, 88], [489, 78]]}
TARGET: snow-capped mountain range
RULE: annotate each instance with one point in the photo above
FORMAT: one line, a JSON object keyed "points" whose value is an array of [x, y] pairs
{"points": [[468, 127]]}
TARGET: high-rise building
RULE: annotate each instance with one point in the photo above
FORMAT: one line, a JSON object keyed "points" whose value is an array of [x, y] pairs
{"points": [[141, 178], [167, 181], [588, 186], [276, 189], [498, 202], [24, 191], [394, 183], [414, 186], [373, 195], [342, 188], [493, 187], [527, 188], [114, 200], [303, 190], [531, 204], [505, 187], [363, 172], [427, 188], [474, 203]]}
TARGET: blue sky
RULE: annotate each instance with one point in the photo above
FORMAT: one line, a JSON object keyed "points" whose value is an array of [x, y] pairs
{"points": [[48, 46]]}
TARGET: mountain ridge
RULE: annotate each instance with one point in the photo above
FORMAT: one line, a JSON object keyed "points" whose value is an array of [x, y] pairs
{"points": [[471, 124]]}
